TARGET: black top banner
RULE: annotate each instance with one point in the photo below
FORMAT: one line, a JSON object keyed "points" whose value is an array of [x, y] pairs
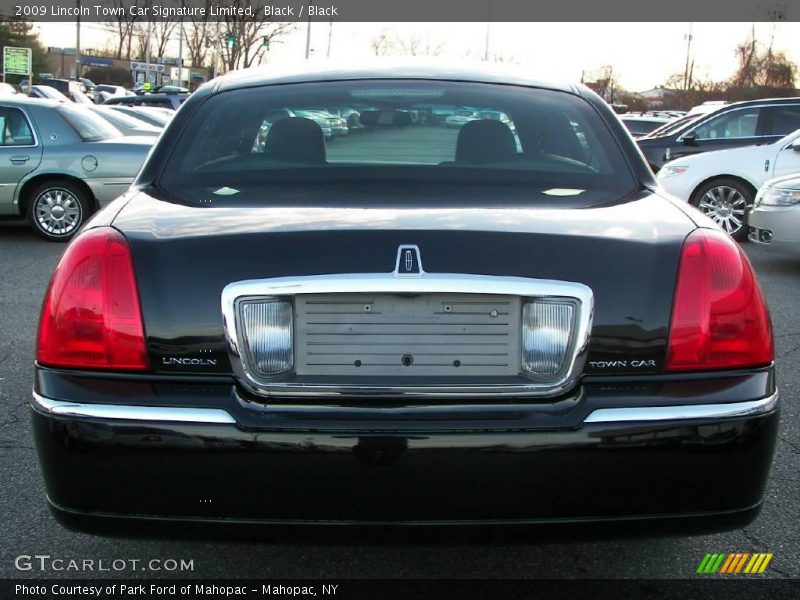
{"points": [[405, 11]]}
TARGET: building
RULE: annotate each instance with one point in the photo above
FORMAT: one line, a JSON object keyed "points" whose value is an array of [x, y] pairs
{"points": [[163, 71]]}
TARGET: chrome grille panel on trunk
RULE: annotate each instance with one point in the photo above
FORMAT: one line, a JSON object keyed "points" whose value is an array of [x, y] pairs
{"points": [[433, 335], [397, 335]]}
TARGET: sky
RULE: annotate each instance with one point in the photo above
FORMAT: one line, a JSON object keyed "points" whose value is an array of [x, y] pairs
{"points": [[643, 55]]}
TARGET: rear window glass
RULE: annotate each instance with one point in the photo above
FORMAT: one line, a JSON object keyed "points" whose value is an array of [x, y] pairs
{"points": [[785, 119], [735, 124], [359, 133], [90, 127]]}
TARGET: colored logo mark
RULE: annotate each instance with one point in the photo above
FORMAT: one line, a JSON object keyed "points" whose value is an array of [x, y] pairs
{"points": [[734, 563]]}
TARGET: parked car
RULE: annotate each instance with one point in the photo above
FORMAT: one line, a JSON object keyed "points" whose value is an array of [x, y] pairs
{"points": [[775, 218], [74, 90], [126, 124], [269, 120], [460, 118], [722, 184], [157, 117], [60, 163], [437, 328], [88, 87], [730, 126], [323, 121], [673, 125], [171, 89], [640, 125], [47, 93], [105, 91], [6, 89], [171, 101]]}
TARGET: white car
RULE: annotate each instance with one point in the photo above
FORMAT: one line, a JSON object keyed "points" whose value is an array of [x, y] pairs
{"points": [[723, 183], [775, 218]]}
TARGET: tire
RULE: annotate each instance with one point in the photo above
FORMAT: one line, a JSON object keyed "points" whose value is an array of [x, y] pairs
{"points": [[726, 201], [57, 209]]}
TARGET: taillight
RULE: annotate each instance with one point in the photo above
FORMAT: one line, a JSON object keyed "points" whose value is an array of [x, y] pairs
{"points": [[91, 316], [719, 317]]}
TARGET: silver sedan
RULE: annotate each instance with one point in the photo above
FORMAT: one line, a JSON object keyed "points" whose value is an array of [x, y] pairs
{"points": [[60, 163], [775, 218]]}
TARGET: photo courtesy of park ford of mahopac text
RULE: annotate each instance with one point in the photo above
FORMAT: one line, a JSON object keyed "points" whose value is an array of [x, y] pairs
{"points": [[368, 299]]}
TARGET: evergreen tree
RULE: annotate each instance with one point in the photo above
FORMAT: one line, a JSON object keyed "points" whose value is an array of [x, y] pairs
{"points": [[19, 33]]}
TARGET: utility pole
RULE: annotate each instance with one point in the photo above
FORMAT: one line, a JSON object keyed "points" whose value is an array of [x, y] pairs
{"points": [[78, 41], [330, 33], [488, 27], [147, 54], [308, 34], [686, 75], [180, 50]]}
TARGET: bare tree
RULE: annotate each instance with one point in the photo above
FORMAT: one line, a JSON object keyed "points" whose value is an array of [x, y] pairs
{"points": [[245, 40], [200, 36], [123, 28], [413, 44], [380, 43], [761, 68], [160, 32]]}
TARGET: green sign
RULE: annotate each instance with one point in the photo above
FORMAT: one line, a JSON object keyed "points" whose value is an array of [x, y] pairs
{"points": [[16, 61]]}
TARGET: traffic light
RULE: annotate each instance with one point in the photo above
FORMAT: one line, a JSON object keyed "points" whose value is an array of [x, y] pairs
{"points": [[207, 42], [230, 41], [266, 43]]}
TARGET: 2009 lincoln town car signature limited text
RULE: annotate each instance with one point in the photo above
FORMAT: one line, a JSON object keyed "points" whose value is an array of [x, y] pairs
{"points": [[501, 322]]}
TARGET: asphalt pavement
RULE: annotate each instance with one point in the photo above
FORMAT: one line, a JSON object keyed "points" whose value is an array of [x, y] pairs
{"points": [[28, 529]]}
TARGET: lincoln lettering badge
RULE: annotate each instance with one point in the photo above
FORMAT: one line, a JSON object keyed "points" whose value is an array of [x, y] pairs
{"points": [[409, 263]]}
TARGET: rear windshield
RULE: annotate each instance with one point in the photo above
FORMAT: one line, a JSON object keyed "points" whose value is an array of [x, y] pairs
{"points": [[265, 142], [116, 117], [90, 127]]}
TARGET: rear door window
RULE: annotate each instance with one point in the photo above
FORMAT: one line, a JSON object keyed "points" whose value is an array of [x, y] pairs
{"points": [[734, 124], [16, 130], [784, 119]]}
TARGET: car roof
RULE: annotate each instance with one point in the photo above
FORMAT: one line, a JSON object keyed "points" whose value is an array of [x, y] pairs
{"points": [[27, 101], [645, 118], [379, 69], [725, 107]]}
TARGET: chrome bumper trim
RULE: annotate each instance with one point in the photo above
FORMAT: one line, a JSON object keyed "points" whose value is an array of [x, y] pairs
{"points": [[425, 283], [686, 412], [131, 413], [219, 416]]}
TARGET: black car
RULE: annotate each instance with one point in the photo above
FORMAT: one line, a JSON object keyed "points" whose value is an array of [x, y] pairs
{"points": [[172, 101], [417, 325], [733, 125]]}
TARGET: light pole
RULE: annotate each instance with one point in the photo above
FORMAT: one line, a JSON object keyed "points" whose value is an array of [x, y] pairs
{"points": [[180, 50], [78, 41], [688, 39], [308, 34]]}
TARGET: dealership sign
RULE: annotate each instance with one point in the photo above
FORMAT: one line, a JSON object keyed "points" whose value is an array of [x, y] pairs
{"points": [[17, 61], [143, 66]]}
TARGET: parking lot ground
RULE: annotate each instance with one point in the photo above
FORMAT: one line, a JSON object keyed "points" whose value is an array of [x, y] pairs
{"points": [[28, 529]]}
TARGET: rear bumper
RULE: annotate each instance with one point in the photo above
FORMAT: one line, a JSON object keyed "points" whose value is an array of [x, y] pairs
{"points": [[689, 463]]}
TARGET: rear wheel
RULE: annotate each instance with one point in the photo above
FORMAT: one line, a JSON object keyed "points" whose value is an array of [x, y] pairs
{"points": [[57, 209], [726, 202]]}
